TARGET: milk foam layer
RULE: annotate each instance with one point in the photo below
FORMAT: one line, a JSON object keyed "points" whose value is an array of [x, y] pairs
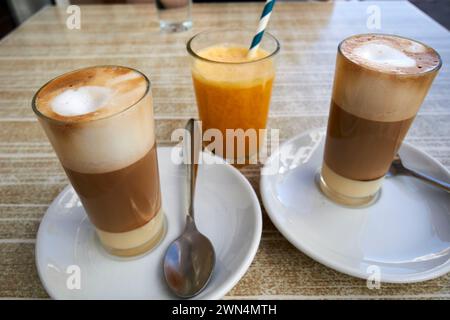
{"points": [[80, 101], [101, 118], [91, 93], [383, 77], [384, 55], [392, 54]]}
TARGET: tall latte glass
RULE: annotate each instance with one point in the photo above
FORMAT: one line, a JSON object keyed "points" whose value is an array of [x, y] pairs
{"points": [[100, 123], [380, 83], [233, 91]]}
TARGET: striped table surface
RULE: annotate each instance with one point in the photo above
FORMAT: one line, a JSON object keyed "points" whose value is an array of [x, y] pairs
{"points": [[41, 48]]}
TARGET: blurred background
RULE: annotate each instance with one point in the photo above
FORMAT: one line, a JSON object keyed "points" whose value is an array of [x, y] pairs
{"points": [[15, 12]]}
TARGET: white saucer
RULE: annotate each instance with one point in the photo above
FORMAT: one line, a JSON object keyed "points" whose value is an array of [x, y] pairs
{"points": [[227, 211], [403, 237]]}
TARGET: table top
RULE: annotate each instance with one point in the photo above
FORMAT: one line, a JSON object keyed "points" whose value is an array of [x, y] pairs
{"points": [[42, 48]]}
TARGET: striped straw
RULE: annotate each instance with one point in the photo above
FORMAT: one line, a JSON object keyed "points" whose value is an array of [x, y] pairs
{"points": [[263, 21]]}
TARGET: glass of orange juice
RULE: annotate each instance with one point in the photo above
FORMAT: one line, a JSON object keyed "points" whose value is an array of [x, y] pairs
{"points": [[233, 91]]}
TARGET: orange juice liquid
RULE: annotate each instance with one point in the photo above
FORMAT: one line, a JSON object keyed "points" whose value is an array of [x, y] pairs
{"points": [[233, 95]]}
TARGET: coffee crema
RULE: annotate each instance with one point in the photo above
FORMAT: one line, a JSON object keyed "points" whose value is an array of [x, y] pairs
{"points": [[91, 93]]}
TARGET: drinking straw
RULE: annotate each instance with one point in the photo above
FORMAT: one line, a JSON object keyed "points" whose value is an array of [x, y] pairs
{"points": [[263, 21]]}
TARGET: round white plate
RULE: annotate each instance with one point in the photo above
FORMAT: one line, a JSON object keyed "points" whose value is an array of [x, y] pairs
{"points": [[403, 237], [227, 211]]}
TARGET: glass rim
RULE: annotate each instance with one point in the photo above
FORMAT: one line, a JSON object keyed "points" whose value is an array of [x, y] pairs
{"points": [[436, 68], [195, 55], [41, 115]]}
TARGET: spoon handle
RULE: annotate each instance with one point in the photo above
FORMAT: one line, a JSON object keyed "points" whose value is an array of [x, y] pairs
{"points": [[438, 183], [192, 165]]}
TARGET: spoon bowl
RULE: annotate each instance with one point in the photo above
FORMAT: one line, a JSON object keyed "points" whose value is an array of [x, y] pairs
{"points": [[189, 263]]}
